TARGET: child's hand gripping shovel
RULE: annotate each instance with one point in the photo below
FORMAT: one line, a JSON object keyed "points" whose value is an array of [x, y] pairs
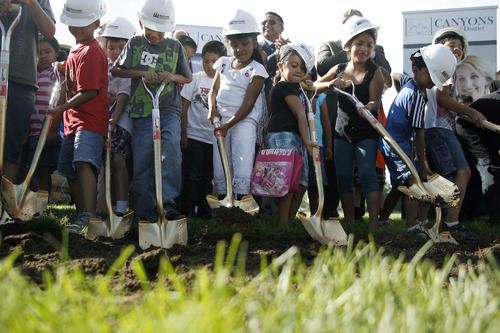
{"points": [[163, 233], [487, 125], [4, 79], [19, 201], [329, 231], [247, 203], [437, 190], [114, 226]]}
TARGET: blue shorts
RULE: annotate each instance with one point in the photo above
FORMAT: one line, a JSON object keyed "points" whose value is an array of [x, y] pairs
{"points": [[82, 146], [48, 158], [21, 102], [398, 170], [290, 140], [444, 152]]}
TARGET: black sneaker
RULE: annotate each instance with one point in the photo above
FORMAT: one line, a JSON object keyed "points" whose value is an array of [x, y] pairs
{"points": [[461, 231], [171, 213], [418, 232]]}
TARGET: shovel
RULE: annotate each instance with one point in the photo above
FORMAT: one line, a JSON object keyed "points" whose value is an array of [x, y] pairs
{"points": [[114, 226], [329, 231], [437, 191], [487, 125], [18, 200], [247, 203], [433, 233], [162, 233], [4, 80]]}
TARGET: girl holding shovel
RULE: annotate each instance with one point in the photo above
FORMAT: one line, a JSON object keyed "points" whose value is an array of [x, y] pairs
{"points": [[288, 127], [354, 137]]}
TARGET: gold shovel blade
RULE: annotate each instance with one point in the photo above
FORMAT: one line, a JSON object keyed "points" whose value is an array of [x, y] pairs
{"points": [[334, 232], [214, 202], [163, 234], [313, 229], [31, 206], [325, 232], [114, 226], [416, 193], [446, 192], [436, 237], [247, 204]]}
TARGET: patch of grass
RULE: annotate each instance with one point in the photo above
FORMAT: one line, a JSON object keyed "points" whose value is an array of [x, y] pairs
{"points": [[349, 289]]}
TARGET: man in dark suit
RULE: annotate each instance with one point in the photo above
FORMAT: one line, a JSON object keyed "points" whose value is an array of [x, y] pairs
{"points": [[331, 54], [272, 27]]}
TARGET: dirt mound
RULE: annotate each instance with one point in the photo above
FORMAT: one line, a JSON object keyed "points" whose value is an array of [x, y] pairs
{"points": [[40, 250]]}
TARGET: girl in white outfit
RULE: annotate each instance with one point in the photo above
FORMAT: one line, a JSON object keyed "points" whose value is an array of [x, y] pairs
{"points": [[236, 99]]}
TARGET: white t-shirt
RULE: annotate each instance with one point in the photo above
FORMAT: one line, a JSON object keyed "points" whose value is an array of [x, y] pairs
{"points": [[198, 125], [437, 116], [120, 85], [234, 84]]}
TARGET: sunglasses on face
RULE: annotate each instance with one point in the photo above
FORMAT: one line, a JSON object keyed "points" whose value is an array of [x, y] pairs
{"points": [[270, 22]]}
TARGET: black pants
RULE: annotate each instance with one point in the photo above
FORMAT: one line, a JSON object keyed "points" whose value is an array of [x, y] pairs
{"points": [[197, 174]]}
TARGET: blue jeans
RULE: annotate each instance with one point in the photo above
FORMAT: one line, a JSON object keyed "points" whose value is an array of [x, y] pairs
{"points": [[365, 152], [198, 171], [143, 183], [21, 102]]}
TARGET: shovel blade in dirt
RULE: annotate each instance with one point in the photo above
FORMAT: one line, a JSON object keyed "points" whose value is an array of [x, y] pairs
{"points": [[435, 235], [328, 232], [214, 202], [247, 204], [114, 226], [163, 235], [446, 192], [21, 203], [417, 192], [443, 237]]}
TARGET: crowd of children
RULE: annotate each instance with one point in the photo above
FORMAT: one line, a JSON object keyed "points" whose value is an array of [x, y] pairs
{"points": [[103, 94]]}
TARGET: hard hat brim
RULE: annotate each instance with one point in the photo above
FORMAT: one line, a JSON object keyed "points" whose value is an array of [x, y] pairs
{"points": [[79, 23]]}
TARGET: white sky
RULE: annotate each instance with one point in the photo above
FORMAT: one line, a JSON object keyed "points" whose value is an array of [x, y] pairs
{"points": [[309, 21]]}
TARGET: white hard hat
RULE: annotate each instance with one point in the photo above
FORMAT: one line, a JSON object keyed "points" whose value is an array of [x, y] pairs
{"points": [[78, 13], [305, 52], [354, 26], [241, 23], [158, 15], [451, 31], [119, 27], [440, 62]]}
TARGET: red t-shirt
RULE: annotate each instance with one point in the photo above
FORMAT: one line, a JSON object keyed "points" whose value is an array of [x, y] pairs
{"points": [[87, 69]]}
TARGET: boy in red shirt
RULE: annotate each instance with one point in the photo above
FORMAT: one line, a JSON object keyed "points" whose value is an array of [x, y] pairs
{"points": [[86, 109]]}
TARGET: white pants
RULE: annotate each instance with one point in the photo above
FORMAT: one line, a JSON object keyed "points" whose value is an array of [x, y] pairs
{"points": [[240, 147]]}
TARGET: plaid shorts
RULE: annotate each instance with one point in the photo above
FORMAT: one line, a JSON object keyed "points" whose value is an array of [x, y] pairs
{"points": [[290, 140], [121, 142]]}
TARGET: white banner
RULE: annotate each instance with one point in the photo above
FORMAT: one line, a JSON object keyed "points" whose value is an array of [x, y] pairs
{"points": [[478, 23]]}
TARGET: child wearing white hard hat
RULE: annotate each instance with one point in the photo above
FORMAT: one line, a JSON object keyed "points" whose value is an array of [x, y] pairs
{"points": [[86, 114], [158, 59], [354, 137]]}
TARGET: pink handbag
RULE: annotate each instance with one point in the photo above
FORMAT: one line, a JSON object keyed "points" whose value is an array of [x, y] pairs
{"points": [[276, 172]]}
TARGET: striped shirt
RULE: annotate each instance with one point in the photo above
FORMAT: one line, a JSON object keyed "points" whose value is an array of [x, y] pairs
{"points": [[46, 81], [406, 113]]}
